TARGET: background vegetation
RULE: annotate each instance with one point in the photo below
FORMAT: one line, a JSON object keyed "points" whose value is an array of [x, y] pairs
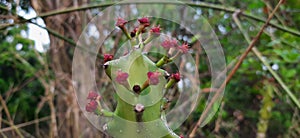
{"points": [[262, 98]]}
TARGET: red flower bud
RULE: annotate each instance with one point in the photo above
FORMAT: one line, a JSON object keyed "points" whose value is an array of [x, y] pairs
{"points": [[153, 77], [92, 95], [91, 106], [155, 30], [144, 21], [121, 77], [121, 22], [175, 76], [184, 48], [169, 43], [108, 57]]}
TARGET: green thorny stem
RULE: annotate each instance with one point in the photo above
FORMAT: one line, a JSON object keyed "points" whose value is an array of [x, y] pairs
{"points": [[140, 85]]}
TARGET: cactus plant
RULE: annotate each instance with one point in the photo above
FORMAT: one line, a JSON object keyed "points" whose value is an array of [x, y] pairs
{"points": [[140, 84]]}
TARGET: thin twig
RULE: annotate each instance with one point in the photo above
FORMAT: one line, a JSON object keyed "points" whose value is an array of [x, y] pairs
{"points": [[200, 4], [219, 119], [236, 67], [24, 124], [270, 8], [3, 103], [17, 88]]}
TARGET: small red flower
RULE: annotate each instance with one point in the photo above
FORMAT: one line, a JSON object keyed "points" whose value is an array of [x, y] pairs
{"points": [[169, 43], [184, 48], [108, 57], [92, 95], [121, 77], [144, 21], [121, 22], [175, 76], [91, 106], [156, 30], [153, 77]]}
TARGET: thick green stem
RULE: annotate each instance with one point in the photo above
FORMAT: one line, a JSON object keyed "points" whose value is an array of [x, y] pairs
{"points": [[125, 122], [138, 115]]}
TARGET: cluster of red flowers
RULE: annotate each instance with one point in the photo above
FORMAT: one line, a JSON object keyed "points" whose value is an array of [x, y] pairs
{"points": [[173, 43], [144, 22], [153, 77], [121, 77], [169, 43], [93, 104], [108, 57], [175, 76], [121, 22], [156, 30]]}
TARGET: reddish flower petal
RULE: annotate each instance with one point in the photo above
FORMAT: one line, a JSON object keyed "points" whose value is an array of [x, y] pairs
{"points": [[184, 48], [175, 76], [169, 43], [92, 95], [121, 77], [156, 30], [144, 21], [153, 77], [121, 22], [108, 57], [91, 106]]}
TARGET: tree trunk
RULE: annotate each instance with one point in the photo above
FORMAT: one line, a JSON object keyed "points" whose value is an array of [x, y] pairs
{"points": [[69, 121]]}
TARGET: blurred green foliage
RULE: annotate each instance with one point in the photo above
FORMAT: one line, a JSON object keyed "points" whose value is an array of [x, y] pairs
{"points": [[19, 85]]}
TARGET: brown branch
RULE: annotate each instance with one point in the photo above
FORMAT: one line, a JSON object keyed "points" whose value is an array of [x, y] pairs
{"points": [[201, 4], [24, 124], [4, 106], [236, 67]]}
